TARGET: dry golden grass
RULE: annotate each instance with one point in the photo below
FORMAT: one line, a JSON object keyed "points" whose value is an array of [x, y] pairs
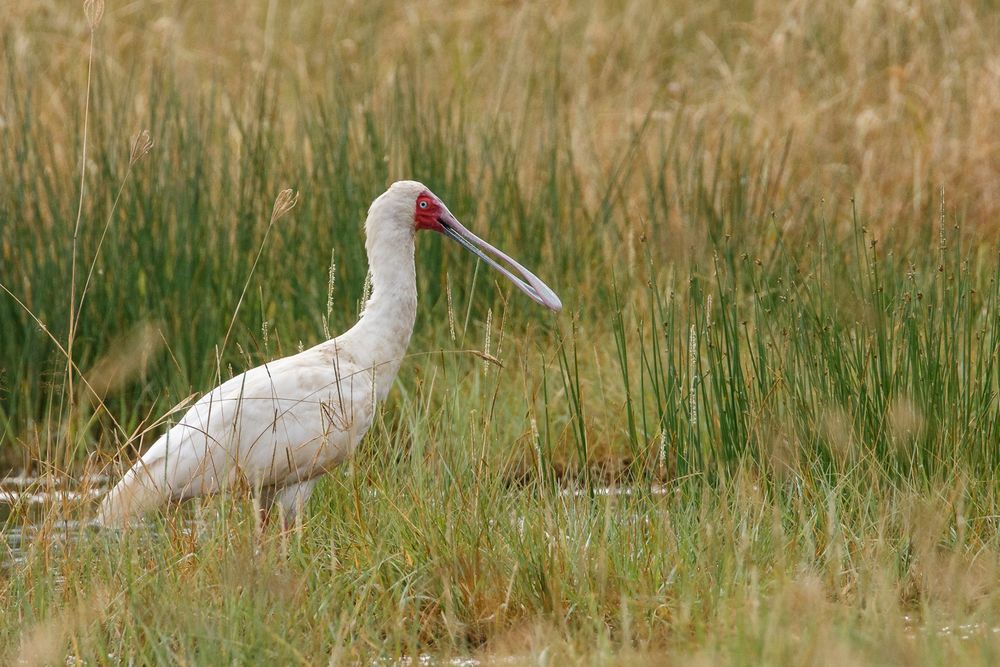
{"points": [[884, 101]]}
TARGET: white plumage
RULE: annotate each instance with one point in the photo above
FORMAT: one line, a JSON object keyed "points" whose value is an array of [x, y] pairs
{"points": [[279, 426]]}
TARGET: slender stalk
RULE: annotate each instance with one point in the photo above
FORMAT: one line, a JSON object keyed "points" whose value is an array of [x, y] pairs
{"points": [[73, 321]]}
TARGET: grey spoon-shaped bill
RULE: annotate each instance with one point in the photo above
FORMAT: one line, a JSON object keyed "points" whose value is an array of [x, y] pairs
{"points": [[527, 282]]}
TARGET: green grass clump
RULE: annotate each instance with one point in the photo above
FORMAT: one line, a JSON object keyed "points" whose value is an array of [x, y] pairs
{"points": [[438, 554]]}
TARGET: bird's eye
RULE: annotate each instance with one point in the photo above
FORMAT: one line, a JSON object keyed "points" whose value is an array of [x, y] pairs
{"points": [[423, 204]]}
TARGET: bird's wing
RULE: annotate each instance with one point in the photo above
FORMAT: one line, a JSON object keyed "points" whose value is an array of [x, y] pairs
{"points": [[277, 424]]}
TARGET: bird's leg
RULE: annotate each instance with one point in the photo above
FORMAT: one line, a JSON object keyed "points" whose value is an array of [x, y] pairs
{"points": [[292, 500], [265, 499]]}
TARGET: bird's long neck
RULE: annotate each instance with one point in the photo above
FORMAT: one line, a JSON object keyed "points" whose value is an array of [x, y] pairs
{"points": [[380, 338]]}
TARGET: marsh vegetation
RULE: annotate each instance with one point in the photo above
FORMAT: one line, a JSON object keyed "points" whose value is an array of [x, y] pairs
{"points": [[765, 428]]}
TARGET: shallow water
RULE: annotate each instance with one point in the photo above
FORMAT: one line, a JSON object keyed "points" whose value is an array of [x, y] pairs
{"points": [[26, 503], [34, 495]]}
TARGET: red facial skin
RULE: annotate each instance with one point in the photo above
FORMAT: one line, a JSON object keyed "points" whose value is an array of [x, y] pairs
{"points": [[426, 213]]}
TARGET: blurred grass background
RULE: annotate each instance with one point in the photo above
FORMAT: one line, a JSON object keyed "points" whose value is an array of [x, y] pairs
{"points": [[774, 229]]}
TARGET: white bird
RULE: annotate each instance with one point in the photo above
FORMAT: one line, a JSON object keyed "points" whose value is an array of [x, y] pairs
{"points": [[279, 426]]}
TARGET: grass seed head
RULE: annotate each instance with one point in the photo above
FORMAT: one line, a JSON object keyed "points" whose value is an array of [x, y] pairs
{"points": [[906, 422], [141, 145], [783, 450], [836, 427], [283, 203], [693, 377], [94, 11], [486, 343], [126, 359], [451, 309]]}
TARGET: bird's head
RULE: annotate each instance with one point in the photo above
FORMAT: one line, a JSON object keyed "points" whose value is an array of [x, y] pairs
{"points": [[429, 213]]}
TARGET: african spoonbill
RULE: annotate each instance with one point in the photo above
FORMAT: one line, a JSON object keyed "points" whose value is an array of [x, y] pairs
{"points": [[283, 424]]}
